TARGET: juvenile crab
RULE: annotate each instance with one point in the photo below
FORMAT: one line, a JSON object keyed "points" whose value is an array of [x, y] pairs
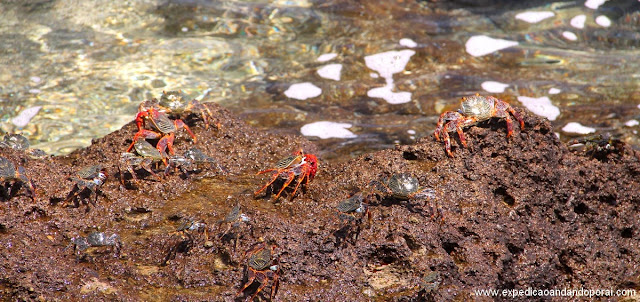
{"points": [[191, 157], [9, 173], [176, 101], [146, 156], [89, 178], [183, 239], [350, 207], [301, 165], [232, 220], [96, 239], [474, 109], [262, 267], [403, 186], [162, 128]]}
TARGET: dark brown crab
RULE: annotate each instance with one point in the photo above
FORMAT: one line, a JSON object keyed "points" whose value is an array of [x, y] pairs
{"points": [[87, 179], [16, 176], [263, 267], [474, 109]]}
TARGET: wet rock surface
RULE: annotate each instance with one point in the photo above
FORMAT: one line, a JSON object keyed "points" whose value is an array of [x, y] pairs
{"points": [[515, 213]]}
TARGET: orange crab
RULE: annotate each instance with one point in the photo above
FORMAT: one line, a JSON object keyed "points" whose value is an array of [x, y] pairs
{"points": [[301, 165], [162, 128], [262, 266], [474, 109]]}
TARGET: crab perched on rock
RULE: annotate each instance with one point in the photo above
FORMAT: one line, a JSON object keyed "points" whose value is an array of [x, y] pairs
{"points": [[96, 240], [263, 267], [190, 158], [17, 176], [176, 102], [87, 179], [300, 165], [145, 156], [474, 109], [403, 186], [162, 128]]}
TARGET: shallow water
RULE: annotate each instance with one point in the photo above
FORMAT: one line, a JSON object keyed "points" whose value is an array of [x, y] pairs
{"points": [[353, 76]]}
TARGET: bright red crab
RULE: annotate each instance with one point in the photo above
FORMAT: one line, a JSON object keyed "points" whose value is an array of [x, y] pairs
{"points": [[161, 127], [300, 165], [474, 109]]}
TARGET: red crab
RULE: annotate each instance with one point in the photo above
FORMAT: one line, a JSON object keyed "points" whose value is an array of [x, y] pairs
{"points": [[301, 165], [262, 266], [162, 128], [474, 109]]}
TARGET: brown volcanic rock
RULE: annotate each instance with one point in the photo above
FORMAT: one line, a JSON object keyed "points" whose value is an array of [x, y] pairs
{"points": [[517, 213]]}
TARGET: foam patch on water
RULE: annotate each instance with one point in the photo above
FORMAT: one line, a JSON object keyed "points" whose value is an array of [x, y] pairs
{"points": [[594, 4], [603, 21], [326, 129], [327, 57], [632, 123], [578, 21], [541, 106], [495, 87], [25, 116], [303, 91], [574, 127], [554, 90], [387, 64], [390, 62], [534, 17], [331, 71], [478, 46], [406, 42], [389, 95], [569, 36]]}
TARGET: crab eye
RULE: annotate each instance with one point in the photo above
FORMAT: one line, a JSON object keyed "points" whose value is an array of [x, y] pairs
{"points": [[273, 267]]}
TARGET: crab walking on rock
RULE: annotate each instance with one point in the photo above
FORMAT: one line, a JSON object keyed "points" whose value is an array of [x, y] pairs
{"points": [[474, 109]]}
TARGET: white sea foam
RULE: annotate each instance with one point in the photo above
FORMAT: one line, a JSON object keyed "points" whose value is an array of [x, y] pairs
{"points": [[25, 116], [406, 42], [578, 21], [603, 21], [387, 64], [303, 91], [478, 46], [569, 36], [574, 127], [331, 71], [326, 129], [327, 57], [493, 86], [541, 106], [534, 17]]}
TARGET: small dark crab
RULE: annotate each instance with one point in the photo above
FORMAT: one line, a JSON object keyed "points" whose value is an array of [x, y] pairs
{"points": [[183, 239], [16, 176], [353, 210], [300, 165], [474, 109], [403, 186], [602, 147], [87, 179], [233, 220], [190, 158], [96, 240], [262, 266], [354, 206], [145, 156]]}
